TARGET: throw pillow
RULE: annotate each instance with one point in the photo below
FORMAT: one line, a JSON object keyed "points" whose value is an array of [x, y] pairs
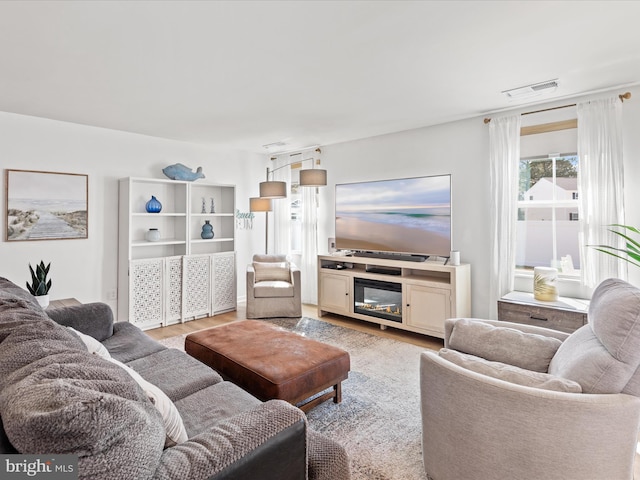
{"points": [[174, 427], [272, 271], [93, 346], [85, 406], [503, 344], [510, 373]]}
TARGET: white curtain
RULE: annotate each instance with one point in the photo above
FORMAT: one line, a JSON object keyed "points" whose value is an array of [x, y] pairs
{"points": [[600, 187], [504, 158], [282, 209], [309, 261]]}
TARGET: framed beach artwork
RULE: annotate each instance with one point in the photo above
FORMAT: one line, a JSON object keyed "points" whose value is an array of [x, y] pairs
{"points": [[46, 205]]}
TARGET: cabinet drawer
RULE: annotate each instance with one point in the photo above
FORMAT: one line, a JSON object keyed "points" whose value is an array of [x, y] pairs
{"points": [[563, 320]]}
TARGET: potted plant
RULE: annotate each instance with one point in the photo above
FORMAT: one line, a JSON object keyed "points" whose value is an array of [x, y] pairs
{"points": [[631, 252], [40, 286]]}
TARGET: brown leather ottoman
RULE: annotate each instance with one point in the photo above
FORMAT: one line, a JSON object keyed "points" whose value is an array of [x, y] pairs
{"points": [[270, 362]]}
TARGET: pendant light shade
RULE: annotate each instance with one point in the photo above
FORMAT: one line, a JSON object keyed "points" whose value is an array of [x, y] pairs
{"points": [[273, 189], [258, 204], [315, 177]]}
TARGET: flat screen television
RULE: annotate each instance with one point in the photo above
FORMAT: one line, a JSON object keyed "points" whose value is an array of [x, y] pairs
{"points": [[409, 216]]}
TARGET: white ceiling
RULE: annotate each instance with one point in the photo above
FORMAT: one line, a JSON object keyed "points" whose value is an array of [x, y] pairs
{"points": [[242, 74]]}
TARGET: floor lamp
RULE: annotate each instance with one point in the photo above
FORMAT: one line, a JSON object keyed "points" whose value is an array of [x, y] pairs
{"points": [[275, 189], [258, 204]]}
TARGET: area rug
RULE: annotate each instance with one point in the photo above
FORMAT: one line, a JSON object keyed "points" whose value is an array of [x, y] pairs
{"points": [[378, 421]]}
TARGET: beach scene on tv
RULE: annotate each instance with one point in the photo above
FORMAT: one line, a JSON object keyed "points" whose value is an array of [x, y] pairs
{"points": [[406, 216]]}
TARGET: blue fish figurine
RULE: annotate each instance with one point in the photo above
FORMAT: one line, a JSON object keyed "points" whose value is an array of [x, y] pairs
{"points": [[178, 171]]}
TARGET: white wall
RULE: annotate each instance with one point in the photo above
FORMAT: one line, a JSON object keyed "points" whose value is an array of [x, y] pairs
{"points": [[87, 268]]}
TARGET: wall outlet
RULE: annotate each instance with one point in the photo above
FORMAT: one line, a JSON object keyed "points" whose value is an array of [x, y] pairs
{"points": [[112, 295]]}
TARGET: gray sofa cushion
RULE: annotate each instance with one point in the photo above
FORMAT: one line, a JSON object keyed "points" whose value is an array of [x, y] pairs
{"points": [[199, 413], [177, 374], [80, 317], [129, 343], [603, 355], [498, 344], [510, 373]]}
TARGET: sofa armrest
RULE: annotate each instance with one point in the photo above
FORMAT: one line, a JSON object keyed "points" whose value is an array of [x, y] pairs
{"points": [[503, 430], [295, 278], [94, 319], [251, 280], [266, 442]]}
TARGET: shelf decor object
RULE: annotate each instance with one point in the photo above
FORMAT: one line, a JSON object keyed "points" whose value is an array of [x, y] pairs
{"points": [[544, 284], [178, 171], [207, 230], [153, 205], [152, 235]]}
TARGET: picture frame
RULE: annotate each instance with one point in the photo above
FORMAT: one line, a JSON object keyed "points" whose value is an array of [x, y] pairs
{"points": [[42, 205]]}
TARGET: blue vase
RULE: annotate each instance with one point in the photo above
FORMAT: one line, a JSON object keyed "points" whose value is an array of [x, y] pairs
{"points": [[207, 230], [153, 205]]}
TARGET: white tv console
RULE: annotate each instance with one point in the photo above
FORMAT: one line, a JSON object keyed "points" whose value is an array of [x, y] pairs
{"points": [[428, 292]]}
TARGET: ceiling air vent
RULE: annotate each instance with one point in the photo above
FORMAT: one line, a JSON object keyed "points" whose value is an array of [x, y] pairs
{"points": [[533, 89]]}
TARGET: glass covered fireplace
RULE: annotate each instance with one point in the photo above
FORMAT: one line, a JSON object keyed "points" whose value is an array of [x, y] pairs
{"points": [[378, 299]]}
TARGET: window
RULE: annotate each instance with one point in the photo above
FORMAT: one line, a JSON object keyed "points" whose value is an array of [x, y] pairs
{"points": [[547, 227]]}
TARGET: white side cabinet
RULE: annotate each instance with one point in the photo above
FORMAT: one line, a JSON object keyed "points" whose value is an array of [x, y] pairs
{"points": [[175, 275]]}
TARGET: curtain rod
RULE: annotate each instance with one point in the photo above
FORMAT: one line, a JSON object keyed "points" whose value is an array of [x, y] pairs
{"points": [[293, 155], [622, 97]]}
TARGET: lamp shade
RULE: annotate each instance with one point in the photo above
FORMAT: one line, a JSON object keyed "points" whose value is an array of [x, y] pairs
{"points": [[273, 189], [258, 204], [314, 177]]}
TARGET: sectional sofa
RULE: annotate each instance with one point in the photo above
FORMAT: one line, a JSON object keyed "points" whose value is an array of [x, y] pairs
{"points": [[74, 382]]}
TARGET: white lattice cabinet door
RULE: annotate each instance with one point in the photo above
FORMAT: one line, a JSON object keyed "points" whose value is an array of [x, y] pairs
{"points": [[224, 282], [146, 287], [196, 286], [173, 290]]}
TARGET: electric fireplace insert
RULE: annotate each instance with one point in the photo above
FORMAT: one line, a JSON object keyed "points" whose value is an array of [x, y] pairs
{"points": [[378, 299]]}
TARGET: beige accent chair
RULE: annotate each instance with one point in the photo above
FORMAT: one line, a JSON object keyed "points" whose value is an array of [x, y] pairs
{"points": [[273, 287], [511, 401]]}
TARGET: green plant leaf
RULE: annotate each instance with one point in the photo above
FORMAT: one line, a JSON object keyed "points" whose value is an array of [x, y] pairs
{"points": [[39, 284]]}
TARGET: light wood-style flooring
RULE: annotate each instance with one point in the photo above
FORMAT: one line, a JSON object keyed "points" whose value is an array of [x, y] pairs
{"points": [[307, 311]]}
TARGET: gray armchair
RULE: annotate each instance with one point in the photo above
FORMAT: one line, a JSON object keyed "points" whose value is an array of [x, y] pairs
{"points": [[273, 288], [505, 400]]}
